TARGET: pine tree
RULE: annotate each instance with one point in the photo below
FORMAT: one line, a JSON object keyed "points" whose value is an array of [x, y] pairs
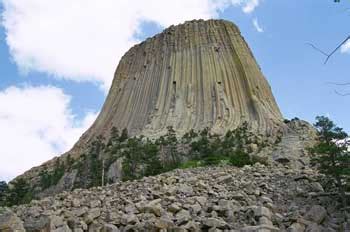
{"points": [[331, 154], [3, 192]]}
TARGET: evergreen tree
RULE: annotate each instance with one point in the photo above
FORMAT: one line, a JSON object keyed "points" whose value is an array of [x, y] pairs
{"points": [[95, 163], [133, 157], [124, 136], [331, 154], [152, 160], [19, 193], [171, 143], [3, 192]]}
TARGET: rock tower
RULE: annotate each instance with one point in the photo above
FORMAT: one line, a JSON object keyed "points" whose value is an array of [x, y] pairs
{"points": [[196, 75], [193, 75]]}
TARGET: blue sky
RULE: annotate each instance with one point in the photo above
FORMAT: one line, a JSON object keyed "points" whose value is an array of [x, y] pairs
{"points": [[57, 61]]}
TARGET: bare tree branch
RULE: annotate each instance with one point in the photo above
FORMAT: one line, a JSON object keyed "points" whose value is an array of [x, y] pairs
{"points": [[328, 56], [335, 83], [336, 49], [317, 49], [342, 94]]}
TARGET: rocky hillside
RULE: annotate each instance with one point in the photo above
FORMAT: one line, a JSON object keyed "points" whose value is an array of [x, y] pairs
{"points": [[127, 158], [252, 198]]}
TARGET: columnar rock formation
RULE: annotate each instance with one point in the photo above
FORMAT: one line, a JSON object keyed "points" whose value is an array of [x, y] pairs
{"points": [[191, 76], [194, 75]]}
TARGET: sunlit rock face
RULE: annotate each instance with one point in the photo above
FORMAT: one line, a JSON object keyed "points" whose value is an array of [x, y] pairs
{"points": [[191, 76]]}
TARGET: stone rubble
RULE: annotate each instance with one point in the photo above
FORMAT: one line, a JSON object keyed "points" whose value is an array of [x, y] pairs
{"points": [[223, 198]]}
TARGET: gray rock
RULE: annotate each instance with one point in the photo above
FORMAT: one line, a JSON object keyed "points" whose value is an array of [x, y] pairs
{"points": [[261, 228], [262, 211], [174, 208], [317, 187], [201, 200], [317, 214], [225, 179], [214, 222], [91, 215], [183, 216], [40, 224], [63, 228], [296, 227], [10, 222], [110, 228], [163, 223], [196, 208], [185, 189], [314, 227], [265, 221], [114, 172], [56, 222], [95, 203]]}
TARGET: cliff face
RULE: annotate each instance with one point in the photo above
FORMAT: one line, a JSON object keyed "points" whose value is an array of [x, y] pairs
{"points": [[191, 76]]}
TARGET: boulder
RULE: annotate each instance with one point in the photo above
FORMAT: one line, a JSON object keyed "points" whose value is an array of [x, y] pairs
{"points": [[10, 222], [316, 214], [40, 224], [214, 222], [296, 227]]}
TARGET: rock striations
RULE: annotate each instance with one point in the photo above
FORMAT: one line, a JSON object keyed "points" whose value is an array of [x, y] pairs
{"points": [[191, 76]]}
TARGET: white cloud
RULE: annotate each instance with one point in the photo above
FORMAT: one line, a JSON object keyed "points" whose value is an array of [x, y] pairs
{"points": [[83, 40], [248, 6], [257, 25], [36, 124], [346, 47]]}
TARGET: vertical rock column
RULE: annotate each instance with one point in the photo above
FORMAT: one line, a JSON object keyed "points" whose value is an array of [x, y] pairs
{"points": [[194, 75]]}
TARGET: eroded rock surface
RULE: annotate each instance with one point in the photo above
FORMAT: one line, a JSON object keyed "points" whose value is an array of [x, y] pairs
{"points": [[191, 76]]}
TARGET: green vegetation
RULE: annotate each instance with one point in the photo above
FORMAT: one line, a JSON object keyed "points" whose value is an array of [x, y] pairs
{"points": [[48, 179], [332, 156], [144, 157], [3, 192], [141, 157], [19, 193]]}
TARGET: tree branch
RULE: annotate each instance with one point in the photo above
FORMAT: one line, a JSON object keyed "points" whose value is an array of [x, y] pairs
{"points": [[336, 49], [335, 83], [328, 56], [342, 94]]}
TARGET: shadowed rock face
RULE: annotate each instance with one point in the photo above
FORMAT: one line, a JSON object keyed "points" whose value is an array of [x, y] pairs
{"points": [[191, 76]]}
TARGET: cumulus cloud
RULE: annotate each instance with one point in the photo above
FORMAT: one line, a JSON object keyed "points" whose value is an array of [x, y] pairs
{"points": [[346, 47], [36, 124], [257, 26], [83, 40]]}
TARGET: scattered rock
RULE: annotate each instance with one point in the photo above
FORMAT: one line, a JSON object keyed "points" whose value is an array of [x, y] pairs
{"points": [[10, 222], [252, 198], [214, 222], [317, 214]]}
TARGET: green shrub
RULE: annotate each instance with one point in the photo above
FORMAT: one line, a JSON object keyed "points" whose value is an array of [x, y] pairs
{"points": [[191, 164], [19, 193], [259, 159], [240, 158]]}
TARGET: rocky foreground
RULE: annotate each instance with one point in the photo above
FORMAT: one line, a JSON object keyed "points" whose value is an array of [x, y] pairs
{"points": [[252, 198]]}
